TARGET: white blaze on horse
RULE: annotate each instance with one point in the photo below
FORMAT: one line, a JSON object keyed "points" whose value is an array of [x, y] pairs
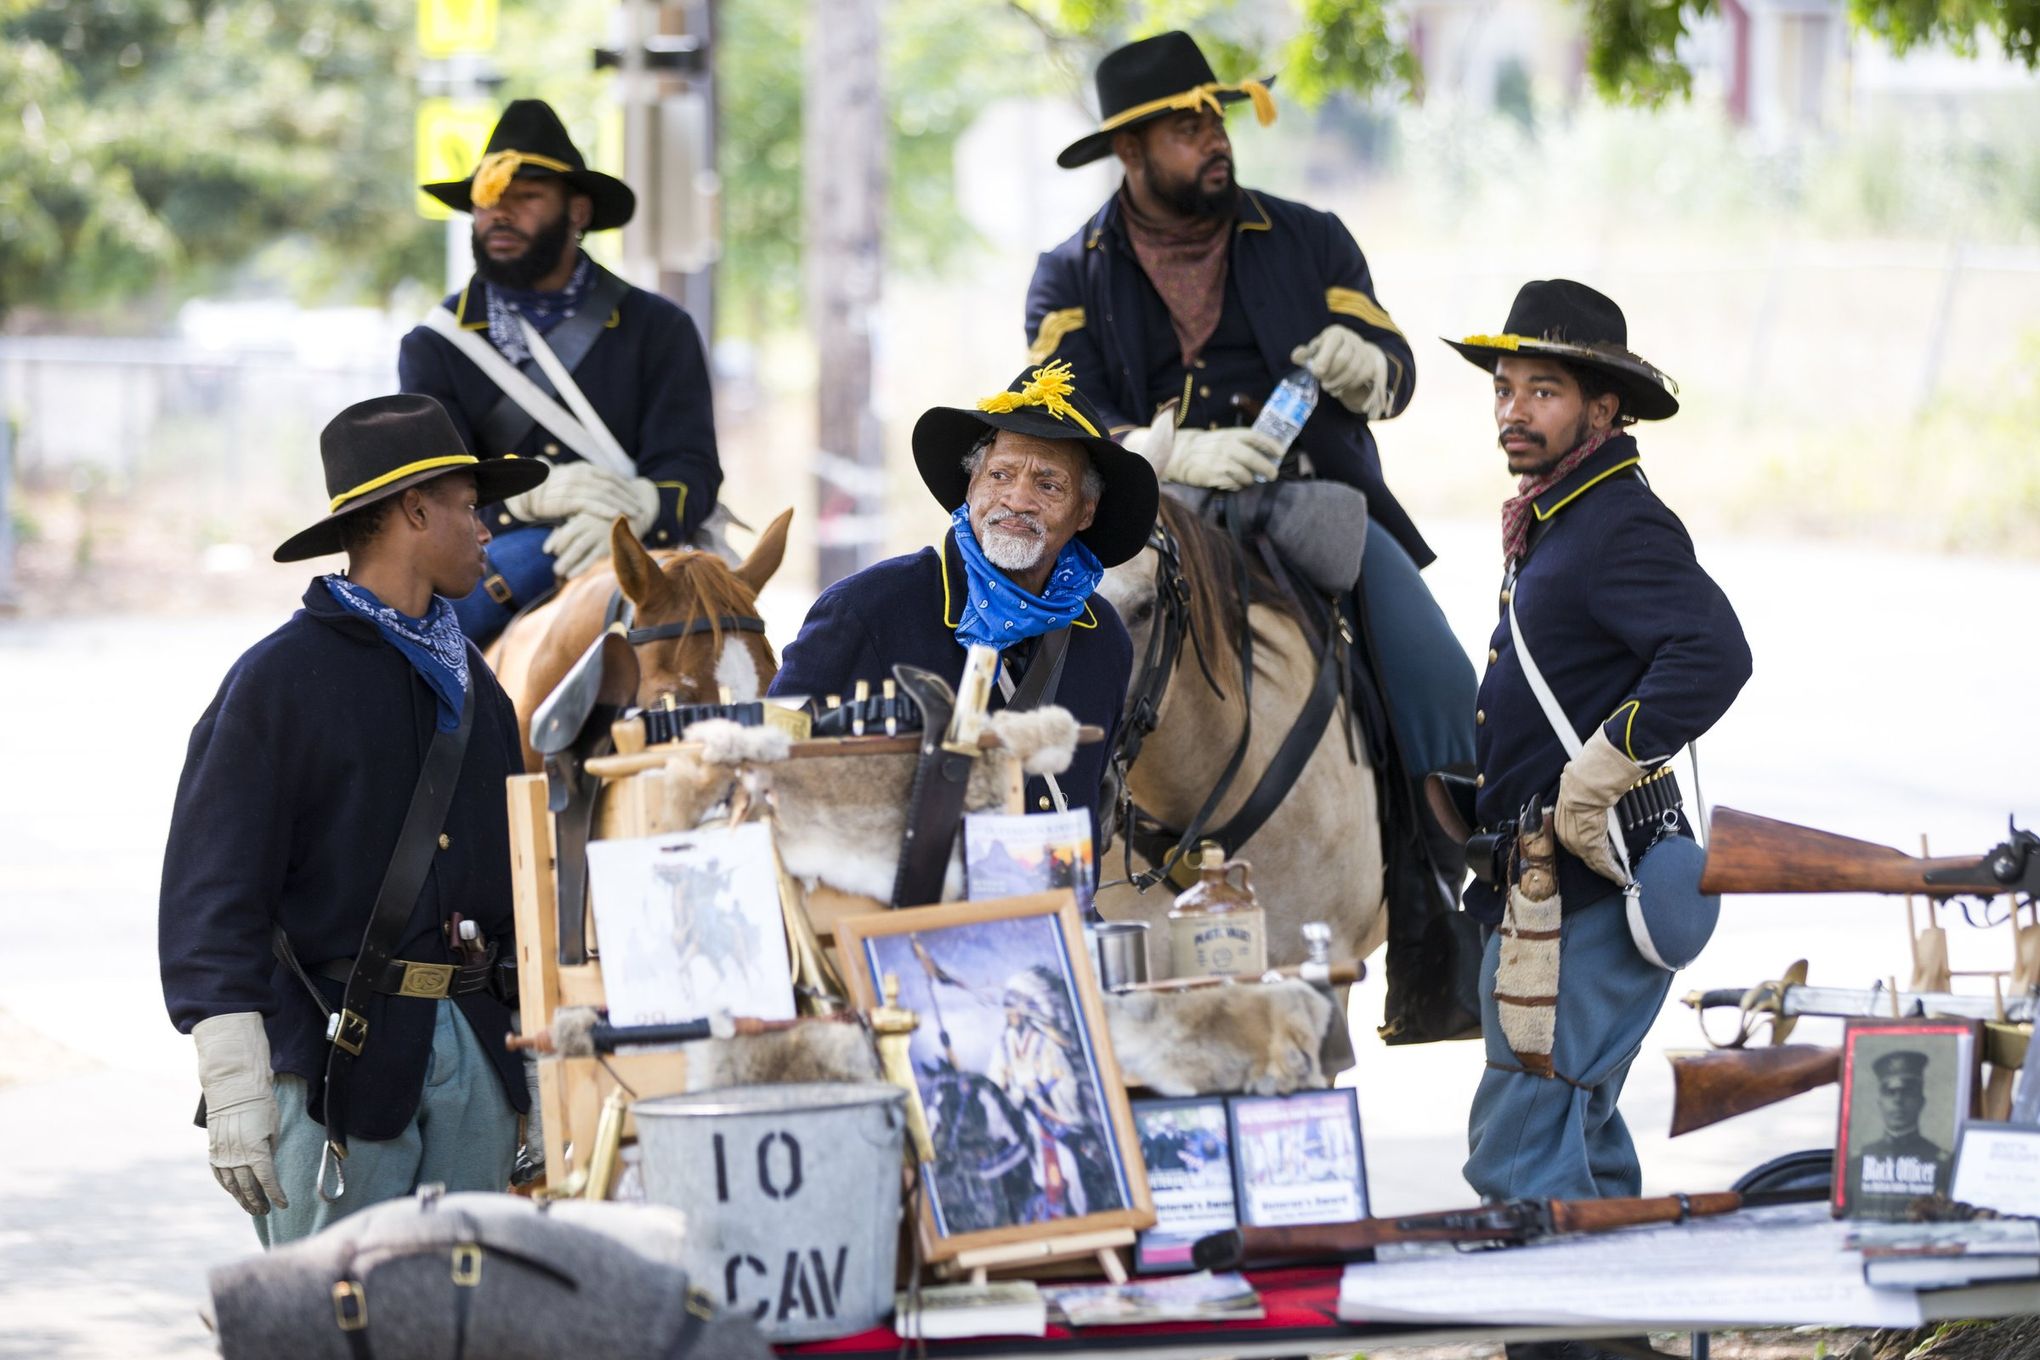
{"points": [[1318, 855], [703, 612]]}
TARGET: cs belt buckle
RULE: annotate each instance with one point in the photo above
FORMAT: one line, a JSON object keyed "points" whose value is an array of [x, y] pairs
{"points": [[430, 980]]}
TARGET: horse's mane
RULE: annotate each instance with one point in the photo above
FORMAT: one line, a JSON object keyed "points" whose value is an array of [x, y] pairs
{"points": [[1212, 559], [705, 586]]}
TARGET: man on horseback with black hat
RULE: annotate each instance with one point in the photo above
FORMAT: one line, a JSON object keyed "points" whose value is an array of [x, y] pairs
{"points": [[1185, 300], [336, 910], [547, 355], [1614, 649], [1040, 503]]}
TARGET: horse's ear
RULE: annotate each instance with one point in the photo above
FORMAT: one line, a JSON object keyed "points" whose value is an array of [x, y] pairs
{"points": [[768, 554], [636, 572]]}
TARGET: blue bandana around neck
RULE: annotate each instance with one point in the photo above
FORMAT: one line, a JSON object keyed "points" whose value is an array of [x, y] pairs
{"points": [[543, 310], [434, 645], [998, 612]]}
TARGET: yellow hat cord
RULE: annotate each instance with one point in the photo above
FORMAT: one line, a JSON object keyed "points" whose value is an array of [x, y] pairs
{"points": [[498, 168], [395, 474], [1048, 387], [1199, 97]]}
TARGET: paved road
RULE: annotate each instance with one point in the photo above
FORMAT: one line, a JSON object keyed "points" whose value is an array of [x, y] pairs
{"points": [[1889, 697]]}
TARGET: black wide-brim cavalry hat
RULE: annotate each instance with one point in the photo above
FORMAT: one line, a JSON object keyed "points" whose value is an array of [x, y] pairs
{"points": [[1571, 321], [1155, 77], [377, 448], [1045, 403], [529, 141]]}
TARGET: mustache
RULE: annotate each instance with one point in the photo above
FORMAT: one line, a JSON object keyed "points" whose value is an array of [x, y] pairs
{"points": [[1520, 432], [1214, 163], [1016, 517]]}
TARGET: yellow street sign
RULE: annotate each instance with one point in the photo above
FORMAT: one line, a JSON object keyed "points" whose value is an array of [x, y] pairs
{"points": [[449, 26], [450, 136]]}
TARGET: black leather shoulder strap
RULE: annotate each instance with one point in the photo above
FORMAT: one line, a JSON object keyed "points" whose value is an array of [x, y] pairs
{"points": [[402, 881], [507, 423], [1044, 674]]}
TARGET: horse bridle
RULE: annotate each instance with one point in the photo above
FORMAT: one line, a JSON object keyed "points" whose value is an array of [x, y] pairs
{"points": [[623, 610]]}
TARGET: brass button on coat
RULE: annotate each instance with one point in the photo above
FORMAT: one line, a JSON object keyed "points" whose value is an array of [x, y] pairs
{"points": [[1493, 656], [551, 450], [1480, 781], [1480, 717], [445, 841], [1043, 803]]}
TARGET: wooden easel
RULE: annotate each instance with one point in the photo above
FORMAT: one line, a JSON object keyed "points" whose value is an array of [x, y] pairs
{"points": [[1103, 1246]]}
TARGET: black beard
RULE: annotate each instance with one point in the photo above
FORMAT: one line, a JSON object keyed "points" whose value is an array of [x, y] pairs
{"points": [[1185, 199], [540, 258]]}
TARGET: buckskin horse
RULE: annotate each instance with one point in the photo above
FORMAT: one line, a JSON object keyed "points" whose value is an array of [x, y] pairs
{"points": [[692, 617], [1318, 855]]}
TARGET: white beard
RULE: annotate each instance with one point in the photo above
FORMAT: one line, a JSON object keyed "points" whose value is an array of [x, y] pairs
{"points": [[1011, 552]]}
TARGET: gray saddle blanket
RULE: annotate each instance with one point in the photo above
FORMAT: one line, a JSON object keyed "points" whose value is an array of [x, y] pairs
{"points": [[1318, 528], [541, 1280]]}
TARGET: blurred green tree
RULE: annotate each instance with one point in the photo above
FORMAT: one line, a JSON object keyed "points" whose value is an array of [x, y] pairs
{"points": [[147, 146]]}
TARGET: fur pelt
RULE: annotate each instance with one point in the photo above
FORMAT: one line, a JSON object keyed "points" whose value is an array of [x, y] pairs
{"points": [[1043, 739], [724, 742], [1253, 1039], [823, 1051]]}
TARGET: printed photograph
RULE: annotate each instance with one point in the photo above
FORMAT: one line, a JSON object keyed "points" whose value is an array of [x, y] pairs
{"points": [[1007, 855], [1907, 1086], [1186, 1146], [1029, 1121], [690, 925], [1298, 1158]]}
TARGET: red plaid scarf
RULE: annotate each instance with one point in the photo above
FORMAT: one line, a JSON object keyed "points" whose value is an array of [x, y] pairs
{"points": [[1186, 264], [1516, 509]]}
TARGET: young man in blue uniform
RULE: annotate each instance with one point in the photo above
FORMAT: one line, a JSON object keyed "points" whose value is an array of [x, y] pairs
{"points": [[636, 358], [1642, 653], [1189, 294], [295, 785], [1040, 503]]}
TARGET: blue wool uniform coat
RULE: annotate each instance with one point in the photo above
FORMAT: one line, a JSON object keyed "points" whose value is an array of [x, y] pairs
{"points": [[645, 375], [294, 787], [1292, 271], [904, 610], [1632, 636]]}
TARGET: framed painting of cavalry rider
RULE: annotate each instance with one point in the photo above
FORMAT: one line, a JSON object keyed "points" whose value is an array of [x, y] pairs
{"points": [[1032, 1130]]}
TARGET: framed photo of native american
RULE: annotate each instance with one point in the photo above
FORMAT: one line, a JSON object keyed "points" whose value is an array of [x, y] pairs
{"points": [[1908, 1088], [1186, 1146], [1034, 1137], [1298, 1158]]}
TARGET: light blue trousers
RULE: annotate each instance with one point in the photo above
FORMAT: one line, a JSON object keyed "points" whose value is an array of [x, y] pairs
{"points": [[1429, 683], [464, 1136], [1545, 1138]]}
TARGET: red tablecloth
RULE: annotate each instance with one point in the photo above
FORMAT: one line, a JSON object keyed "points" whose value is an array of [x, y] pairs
{"points": [[1301, 1305]]}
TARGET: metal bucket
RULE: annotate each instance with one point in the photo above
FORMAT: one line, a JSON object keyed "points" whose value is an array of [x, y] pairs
{"points": [[792, 1196]]}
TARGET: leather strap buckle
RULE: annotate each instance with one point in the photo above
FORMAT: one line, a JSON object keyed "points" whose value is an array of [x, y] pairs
{"points": [[432, 981], [350, 1032], [498, 588], [350, 1305], [467, 1264]]}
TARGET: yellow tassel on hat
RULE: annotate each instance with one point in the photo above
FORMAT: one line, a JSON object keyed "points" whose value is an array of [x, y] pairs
{"points": [[1048, 387], [498, 168], [1198, 97]]}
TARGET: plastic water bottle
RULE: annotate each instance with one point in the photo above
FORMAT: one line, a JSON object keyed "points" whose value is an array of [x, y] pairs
{"points": [[1286, 409]]}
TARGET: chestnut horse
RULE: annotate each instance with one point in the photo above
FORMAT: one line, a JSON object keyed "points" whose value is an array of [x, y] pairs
{"points": [[1318, 856], [665, 588]]}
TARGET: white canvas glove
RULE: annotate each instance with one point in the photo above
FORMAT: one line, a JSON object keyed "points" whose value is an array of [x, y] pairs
{"points": [[240, 1108], [1224, 460], [578, 489], [644, 504], [1350, 367], [1592, 782], [579, 544]]}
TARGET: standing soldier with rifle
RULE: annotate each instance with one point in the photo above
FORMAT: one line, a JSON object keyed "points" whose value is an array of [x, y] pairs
{"points": [[1614, 649]]}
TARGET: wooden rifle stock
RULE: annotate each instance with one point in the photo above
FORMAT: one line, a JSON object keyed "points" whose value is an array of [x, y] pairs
{"points": [[1716, 1084], [1510, 1221], [1751, 854]]}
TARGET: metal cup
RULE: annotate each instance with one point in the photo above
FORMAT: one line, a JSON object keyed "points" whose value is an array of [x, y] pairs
{"points": [[1120, 949]]}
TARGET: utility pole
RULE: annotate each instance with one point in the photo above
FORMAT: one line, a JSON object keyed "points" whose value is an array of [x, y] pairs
{"points": [[843, 166], [663, 56]]}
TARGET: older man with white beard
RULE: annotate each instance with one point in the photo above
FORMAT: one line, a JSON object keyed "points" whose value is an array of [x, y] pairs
{"points": [[1040, 503]]}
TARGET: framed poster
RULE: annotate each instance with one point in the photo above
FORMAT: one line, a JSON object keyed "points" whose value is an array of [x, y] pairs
{"points": [[1186, 1146], [1297, 1158], [1907, 1089], [1034, 1137]]}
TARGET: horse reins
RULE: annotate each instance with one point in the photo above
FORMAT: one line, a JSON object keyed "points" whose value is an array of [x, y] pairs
{"points": [[623, 610]]}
